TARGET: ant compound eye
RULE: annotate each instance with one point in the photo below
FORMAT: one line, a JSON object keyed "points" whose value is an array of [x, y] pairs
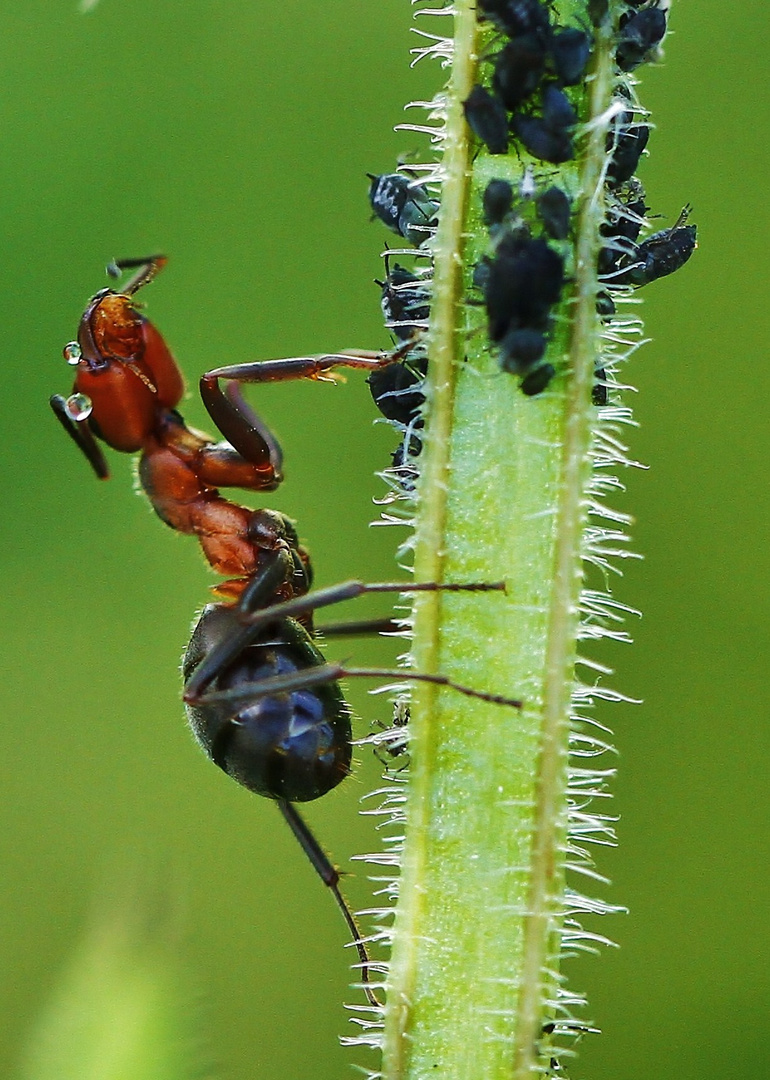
{"points": [[72, 353], [78, 407]]}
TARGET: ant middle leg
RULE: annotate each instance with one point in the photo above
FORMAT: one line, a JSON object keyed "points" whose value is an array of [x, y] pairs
{"points": [[360, 628], [350, 590], [312, 672]]}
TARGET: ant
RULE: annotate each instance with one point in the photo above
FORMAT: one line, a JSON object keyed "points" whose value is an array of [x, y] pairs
{"points": [[261, 699]]}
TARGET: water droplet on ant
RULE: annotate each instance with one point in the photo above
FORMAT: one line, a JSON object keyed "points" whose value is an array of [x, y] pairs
{"points": [[78, 406], [72, 353]]}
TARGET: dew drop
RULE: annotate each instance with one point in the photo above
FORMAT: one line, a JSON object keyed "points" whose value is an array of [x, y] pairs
{"points": [[78, 406], [72, 353]]}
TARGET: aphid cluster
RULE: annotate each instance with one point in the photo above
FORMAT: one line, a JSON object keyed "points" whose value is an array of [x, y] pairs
{"points": [[530, 71], [407, 208], [525, 104], [523, 276], [625, 261], [534, 61], [522, 280]]}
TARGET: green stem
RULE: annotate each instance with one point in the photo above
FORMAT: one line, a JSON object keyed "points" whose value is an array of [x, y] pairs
{"points": [[474, 972]]}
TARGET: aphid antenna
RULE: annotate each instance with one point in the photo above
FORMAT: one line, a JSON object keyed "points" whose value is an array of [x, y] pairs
{"points": [[684, 214]]}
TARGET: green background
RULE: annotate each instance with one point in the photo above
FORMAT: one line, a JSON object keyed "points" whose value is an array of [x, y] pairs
{"points": [[235, 137]]}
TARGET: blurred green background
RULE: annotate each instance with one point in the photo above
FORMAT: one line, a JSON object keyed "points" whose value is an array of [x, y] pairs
{"points": [[235, 137]]}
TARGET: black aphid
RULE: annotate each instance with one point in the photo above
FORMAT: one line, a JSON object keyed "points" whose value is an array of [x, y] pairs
{"points": [[570, 49], [497, 201], [405, 302], [395, 390], [548, 137], [599, 391], [661, 254], [480, 278], [638, 36], [403, 459], [402, 205], [519, 69], [626, 143], [516, 17], [621, 231], [553, 208], [487, 119], [537, 380], [524, 281], [521, 349]]}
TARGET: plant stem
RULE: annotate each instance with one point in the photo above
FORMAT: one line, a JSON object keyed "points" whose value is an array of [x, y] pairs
{"points": [[474, 972]]}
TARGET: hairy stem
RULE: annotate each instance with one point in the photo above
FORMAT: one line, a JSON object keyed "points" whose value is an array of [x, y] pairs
{"points": [[474, 974]]}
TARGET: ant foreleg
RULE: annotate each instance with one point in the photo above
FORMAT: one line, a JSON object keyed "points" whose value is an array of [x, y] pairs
{"points": [[308, 367], [330, 876], [243, 429]]}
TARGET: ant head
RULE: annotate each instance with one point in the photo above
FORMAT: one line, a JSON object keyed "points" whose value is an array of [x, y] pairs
{"points": [[110, 329]]}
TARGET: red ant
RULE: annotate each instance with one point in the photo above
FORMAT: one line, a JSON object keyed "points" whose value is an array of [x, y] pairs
{"points": [[261, 699]]}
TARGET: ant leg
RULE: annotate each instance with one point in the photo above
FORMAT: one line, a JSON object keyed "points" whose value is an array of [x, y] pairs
{"points": [[278, 568], [309, 367], [81, 434], [330, 876], [148, 268], [350, 590], [295, 634], [360, 629], [319, 673], [242, 427], [435, 680], [250, 438]]}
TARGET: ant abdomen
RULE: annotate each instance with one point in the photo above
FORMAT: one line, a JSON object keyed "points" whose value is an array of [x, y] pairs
{"points": [[294, 744]]}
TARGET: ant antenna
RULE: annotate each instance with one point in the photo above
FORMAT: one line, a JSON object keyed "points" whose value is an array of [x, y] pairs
{"points": [[148, 268]]}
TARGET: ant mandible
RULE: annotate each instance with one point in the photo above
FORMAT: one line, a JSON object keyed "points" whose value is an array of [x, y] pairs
{"points": [[261, 699]]}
